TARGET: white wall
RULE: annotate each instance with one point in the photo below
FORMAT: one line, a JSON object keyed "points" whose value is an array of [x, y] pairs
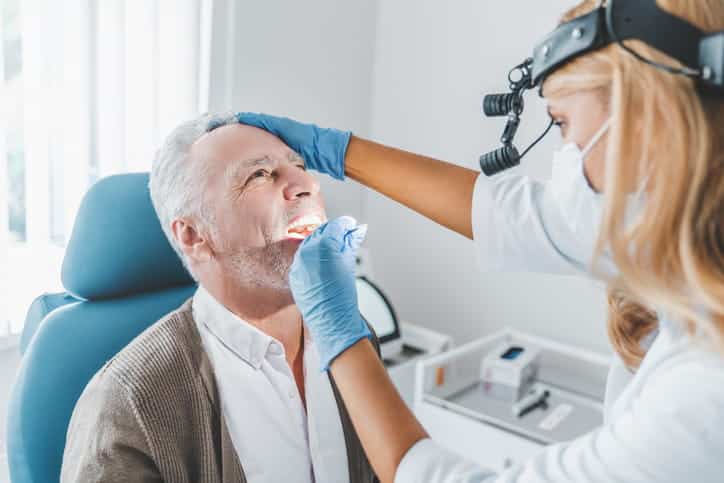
{"points": [[307, 60], [433, 62]]}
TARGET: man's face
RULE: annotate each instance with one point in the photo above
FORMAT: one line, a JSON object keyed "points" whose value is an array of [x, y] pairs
{"points": [[263, 203]]}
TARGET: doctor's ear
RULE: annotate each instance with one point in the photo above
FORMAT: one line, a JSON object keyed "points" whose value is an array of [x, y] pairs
{"points": [[192, 241]]}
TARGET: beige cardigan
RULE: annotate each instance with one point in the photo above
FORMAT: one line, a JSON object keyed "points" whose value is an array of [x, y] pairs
{"points": [[152, 413]]}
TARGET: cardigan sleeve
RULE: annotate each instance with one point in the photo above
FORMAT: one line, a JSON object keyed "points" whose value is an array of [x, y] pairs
{"points": [[106, 441]]}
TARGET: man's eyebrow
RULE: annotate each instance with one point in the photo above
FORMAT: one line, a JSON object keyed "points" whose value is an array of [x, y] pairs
{"points": [[233, 170], [294, 157]]}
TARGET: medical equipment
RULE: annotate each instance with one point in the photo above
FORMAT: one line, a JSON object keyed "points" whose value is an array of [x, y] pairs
{"points": [[536, 398], [615, 21], [457, 413], [402, 344], [417, 344], [377, 310], [508, 371]]}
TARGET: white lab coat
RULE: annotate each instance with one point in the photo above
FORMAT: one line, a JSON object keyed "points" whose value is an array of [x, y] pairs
{"points": [[664, 424]]}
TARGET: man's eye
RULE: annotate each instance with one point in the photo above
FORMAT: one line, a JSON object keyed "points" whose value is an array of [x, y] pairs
{"points": [[302, 167], [259, 173]]}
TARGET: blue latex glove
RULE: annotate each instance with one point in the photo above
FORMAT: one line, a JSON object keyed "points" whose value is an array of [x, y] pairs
{"points": [[323, 150], [322, 280]]}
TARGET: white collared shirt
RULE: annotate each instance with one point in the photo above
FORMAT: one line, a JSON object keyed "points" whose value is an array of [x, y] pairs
{"points": [[275, 438], [665, 424]]}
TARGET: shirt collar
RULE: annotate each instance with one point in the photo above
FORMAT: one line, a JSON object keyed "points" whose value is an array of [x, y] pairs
{"points": [[236, 334]]}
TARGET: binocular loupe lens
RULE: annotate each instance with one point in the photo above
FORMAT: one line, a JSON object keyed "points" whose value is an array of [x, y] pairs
{"points": [[499, 160], [502, 104]]}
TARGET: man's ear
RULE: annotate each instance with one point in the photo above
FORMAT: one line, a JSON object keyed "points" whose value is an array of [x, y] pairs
{"points": [[193, 243]]}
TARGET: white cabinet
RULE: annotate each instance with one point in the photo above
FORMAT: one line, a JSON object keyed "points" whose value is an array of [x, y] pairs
{"points": [[458, 413], [418, 343]]}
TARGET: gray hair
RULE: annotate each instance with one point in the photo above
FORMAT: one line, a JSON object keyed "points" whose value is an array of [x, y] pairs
{"points": [[176, 190]]}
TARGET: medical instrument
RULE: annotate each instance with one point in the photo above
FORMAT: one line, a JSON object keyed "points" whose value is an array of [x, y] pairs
{"points": [[508, 371], [613, 22], [322, 282], [536, 398]]}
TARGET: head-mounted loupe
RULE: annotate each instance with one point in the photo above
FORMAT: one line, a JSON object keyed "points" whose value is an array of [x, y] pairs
{"points": [[614, 21]]}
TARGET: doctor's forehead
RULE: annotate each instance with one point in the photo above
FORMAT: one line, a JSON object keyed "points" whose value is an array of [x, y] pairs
{"points": [[581, 100]]}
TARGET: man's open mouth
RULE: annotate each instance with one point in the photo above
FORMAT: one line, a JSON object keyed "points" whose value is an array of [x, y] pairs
{"points": [[302, 227]]}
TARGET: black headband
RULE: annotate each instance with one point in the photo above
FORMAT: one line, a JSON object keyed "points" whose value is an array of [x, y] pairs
{"points": [[620, 20]]}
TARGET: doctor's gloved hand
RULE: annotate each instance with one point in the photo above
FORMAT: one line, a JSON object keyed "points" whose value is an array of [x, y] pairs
{"points": [[322, 281], [323, 150]]}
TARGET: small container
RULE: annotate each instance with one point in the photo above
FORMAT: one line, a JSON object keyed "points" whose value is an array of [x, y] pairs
{"points": [[508, 371]]}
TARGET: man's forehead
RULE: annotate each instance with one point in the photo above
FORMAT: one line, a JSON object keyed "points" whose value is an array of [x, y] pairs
{"points": [[237, 141]]}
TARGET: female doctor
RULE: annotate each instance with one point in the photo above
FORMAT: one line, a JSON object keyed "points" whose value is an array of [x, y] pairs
{"points": [[636, 197]]}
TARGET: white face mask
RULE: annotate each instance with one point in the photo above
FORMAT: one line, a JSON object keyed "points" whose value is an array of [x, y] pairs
{"points": [[580, 206]]}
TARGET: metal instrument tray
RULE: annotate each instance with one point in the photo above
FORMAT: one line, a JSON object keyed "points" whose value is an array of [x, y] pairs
{"points": [[566, 416]]}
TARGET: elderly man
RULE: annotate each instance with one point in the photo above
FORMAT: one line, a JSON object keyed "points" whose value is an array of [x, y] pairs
{"points": [[227, 387]]}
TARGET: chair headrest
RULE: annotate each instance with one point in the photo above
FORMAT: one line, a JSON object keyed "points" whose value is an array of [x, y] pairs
{"points": [[117, 247]]}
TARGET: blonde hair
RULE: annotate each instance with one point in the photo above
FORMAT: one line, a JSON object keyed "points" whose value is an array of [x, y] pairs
{"points": [[668, 140]]}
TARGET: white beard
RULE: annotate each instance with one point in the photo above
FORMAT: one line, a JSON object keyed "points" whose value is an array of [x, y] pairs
{"points": [[264, 267]]}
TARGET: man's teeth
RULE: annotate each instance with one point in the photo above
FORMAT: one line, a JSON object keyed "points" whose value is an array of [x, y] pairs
{"points": [[303, 226], [306, 220]]}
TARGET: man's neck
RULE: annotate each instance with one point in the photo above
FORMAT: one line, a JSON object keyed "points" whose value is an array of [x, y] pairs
{"points": [[274, 313], [270, 310]]}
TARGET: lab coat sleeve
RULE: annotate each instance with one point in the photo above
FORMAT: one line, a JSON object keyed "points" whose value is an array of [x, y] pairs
{"points": [[671, 433], [427, 461], [518, 226]]}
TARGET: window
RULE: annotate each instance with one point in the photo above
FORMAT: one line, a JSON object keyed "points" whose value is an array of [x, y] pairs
{"points": [[88, 88]]}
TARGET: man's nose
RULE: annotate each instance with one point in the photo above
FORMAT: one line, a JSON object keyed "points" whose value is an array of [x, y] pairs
{"points": [[299, 183]]}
